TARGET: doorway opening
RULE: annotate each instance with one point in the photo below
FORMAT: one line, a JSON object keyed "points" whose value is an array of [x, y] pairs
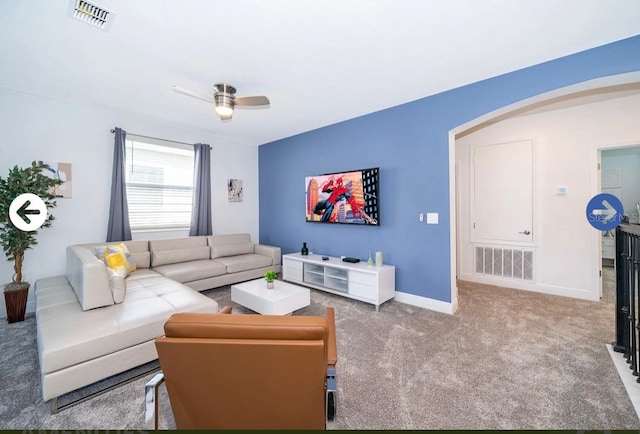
{"points": [[619, 175], [576, 95]]}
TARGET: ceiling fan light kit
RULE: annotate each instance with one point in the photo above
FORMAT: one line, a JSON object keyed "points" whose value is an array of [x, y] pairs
{"points": [[224, 99], [224, 110], [223, 107]]}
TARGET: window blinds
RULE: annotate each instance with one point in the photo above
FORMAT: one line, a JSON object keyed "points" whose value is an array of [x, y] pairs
{"points": [[159, 186]]}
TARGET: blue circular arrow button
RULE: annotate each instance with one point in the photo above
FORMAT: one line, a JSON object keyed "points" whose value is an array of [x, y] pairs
{"points": [[604, 212]]}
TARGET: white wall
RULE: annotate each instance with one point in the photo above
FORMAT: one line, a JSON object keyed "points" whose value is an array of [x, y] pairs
{"points": [[566, 143], [35, 128]]}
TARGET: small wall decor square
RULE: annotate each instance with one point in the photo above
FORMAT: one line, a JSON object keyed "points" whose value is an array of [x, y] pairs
{"points": [[61, 171], [234, 190]]}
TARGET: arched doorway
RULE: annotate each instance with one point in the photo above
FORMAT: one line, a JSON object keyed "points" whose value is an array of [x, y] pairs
{"points": [[571, 96]]}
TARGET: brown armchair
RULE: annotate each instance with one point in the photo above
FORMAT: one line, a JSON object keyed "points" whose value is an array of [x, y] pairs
{"points": [[247, 371]]}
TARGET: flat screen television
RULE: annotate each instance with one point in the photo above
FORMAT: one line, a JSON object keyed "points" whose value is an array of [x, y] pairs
{"points": [[344, 197]]}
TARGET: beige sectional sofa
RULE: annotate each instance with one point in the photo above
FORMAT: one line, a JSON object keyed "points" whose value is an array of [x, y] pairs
{"points": [[92, 323], [209, 262]]}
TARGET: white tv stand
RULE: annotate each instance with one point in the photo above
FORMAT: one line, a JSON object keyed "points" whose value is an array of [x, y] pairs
{"points": [[358, 281]]}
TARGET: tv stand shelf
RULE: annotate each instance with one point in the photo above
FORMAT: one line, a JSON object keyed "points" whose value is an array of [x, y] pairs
{"points": [[359, 281]]}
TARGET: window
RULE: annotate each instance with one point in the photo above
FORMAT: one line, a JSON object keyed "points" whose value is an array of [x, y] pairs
{"points": [[159, 182]]}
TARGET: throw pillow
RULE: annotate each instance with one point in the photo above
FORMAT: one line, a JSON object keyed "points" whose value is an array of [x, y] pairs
{"points": [[100, 252], [118, 258]]}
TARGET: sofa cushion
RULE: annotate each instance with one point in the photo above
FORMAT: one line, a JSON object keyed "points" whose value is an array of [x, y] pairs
{"points": [[177, 243], [48, 292], [229, 245], [141, 274], [67, 335], [177, 250], [139, 250], [192, 270], [216, 240], [238, 263], [164, 257], [223, 250]]}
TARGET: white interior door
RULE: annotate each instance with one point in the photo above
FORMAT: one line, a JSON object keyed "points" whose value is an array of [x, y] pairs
{"points": [[503, 193]]}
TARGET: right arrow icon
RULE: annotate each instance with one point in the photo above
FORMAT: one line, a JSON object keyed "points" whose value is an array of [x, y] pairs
{"points": [[608, 212], [604, 212]]}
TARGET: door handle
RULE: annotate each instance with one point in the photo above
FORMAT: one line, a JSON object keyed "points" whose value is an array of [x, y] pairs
{"points": [[526, 232]]}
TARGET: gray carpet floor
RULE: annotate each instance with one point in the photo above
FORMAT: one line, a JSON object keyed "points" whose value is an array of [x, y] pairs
{"points": [[507, 359]]}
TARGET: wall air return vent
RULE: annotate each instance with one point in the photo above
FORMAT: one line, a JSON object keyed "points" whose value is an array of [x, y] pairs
{"points": [[504, 262], [91, 14]]}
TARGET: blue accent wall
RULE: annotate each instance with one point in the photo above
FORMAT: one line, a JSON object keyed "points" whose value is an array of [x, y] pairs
{"points": [[410, 144]]}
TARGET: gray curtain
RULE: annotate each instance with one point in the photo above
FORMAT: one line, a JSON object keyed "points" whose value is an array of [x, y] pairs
{"points": [[201, 208], [119, 228]]}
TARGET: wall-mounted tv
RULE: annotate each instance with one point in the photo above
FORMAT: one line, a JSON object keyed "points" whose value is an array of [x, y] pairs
{"points": [[344, 197]]}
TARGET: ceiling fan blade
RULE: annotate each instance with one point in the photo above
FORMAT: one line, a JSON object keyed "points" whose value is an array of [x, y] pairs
{"points": [[193, 94], [252, 101]]}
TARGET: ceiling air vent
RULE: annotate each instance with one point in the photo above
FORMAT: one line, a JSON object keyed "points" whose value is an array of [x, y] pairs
{"points": [[90, 13]]}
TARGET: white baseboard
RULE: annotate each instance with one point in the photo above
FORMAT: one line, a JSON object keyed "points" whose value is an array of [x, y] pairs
{"points": [[427, 303], [563, 291], [402, 297]]}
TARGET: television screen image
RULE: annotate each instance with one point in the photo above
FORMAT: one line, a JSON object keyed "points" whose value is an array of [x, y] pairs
{"points": [[347, 197]]}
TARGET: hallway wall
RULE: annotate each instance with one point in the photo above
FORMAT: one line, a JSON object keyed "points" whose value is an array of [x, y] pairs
{"points": [[565, 155]]}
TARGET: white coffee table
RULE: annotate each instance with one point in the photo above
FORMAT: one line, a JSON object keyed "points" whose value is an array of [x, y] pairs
{"points": [[283, 299]]}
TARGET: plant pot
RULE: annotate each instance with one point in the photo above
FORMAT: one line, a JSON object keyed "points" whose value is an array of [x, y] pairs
{"points": [[270, 285], [15, 301]]}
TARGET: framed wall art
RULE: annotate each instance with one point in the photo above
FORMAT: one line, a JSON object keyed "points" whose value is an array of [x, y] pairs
{"points": [[61, 171], [234, 190]]}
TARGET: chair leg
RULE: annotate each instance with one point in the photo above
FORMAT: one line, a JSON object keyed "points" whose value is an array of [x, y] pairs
{"points": [[151, 401], [331, 395], [54, 406]]}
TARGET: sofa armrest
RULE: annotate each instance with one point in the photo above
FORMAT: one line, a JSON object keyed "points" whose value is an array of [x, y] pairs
{"points": [[270, 251], [88, 277], [332, 352], [332, 358]]}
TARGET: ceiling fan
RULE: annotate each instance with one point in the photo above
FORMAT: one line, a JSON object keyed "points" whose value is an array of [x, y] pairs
{"points": [[225, 100]]}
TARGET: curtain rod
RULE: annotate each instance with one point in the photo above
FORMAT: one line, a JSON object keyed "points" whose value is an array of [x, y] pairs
{"points": [[156, 138]]}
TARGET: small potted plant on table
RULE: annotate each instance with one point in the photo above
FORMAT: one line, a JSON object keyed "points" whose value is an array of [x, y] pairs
{"points": [[15, 241], [270, 276]]}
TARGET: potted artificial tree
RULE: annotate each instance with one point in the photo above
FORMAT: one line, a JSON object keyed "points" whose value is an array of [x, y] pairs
{"points": [[15, 241], [270, 276]]}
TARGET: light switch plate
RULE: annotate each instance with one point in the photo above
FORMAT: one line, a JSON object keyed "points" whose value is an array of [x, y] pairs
{"points": [[432, 218]]}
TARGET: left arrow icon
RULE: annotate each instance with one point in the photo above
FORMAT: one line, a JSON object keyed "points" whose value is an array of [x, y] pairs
{"points": [[24, 210], [28, 212]]}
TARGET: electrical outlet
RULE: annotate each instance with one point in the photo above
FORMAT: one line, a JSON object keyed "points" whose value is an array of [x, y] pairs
{"points": [[421, 216]]}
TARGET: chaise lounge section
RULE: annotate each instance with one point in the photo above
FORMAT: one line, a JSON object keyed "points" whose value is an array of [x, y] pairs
{"points": [[92, 323]]}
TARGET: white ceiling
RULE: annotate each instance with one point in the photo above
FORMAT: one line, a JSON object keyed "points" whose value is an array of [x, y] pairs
{"points": [[319, 62]]}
